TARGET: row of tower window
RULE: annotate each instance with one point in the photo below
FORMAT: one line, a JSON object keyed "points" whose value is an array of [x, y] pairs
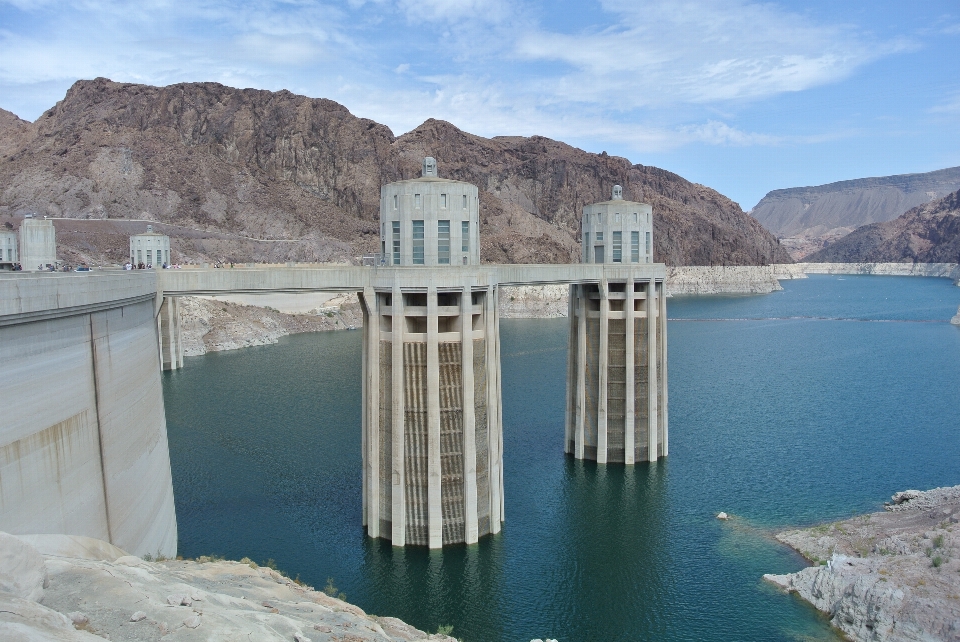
{"points": [[616, 217], [443, 241], [416, 201], [618, 246], [149, 261]]}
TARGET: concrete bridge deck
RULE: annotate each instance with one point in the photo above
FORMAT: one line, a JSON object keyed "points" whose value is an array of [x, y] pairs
{"points": [[254, 280]]}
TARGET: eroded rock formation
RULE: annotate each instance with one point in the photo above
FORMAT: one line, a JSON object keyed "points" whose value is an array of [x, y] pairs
{"points": [[250, 175], [926, 234]]}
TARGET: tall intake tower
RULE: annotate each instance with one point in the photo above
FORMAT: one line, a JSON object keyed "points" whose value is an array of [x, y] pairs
{"points": [[432, 441], [617, 363]]}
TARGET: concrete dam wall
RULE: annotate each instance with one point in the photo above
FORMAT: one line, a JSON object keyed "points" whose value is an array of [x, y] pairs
{"points": [[83, 437]]}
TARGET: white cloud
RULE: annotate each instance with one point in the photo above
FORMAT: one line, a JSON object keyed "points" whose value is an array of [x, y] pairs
{"points": [[451, 10], [699, 51], [950, 106]]}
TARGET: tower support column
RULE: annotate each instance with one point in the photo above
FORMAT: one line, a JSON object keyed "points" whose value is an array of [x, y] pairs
{"points": [[371, 415], [630, 397], [434, 474], [652, 424], [581, 369], [398, 516], [171, 345], [603, 372], [471, 527]]}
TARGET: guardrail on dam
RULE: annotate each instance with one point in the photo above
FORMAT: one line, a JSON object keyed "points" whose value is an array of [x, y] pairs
{"points": [[83, 437]]}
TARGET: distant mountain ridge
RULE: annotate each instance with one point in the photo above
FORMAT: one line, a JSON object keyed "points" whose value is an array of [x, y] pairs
{"points": [[929, 233], [236, 174], [838, 208]]}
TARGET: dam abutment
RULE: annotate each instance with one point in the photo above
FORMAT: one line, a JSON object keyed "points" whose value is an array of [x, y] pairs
{"points": [[83, 441]]}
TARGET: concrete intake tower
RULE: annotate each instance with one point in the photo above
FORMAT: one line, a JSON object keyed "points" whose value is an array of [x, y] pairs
{"points": [[432, 439], [617, 360]]}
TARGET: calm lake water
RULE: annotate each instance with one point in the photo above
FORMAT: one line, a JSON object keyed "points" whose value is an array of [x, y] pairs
{"points": [[785, 409]]}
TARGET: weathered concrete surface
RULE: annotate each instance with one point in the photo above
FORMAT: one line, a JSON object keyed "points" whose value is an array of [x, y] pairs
{"points": [[87, 598], [83, 440], [887, 576]]}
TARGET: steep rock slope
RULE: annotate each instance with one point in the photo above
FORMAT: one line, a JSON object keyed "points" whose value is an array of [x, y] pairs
{"points": [[841, 207], [256, 167], [926, 234]]}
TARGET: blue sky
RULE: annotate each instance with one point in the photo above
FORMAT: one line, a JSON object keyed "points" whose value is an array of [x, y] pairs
{"points": [[742, 96]]}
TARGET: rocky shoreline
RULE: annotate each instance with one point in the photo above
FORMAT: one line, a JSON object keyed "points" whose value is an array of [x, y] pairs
{"points": [[78, 589], [885, 577], [212, 325]]}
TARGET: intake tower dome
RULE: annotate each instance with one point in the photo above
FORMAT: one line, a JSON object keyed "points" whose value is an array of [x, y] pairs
{"points": [[429, 221]]}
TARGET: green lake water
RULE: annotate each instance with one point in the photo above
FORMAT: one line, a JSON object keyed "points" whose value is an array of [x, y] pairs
{"points": [[799, 406]]}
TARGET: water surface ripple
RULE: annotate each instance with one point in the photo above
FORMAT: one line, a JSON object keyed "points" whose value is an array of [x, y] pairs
{"points": [[790, 415]]}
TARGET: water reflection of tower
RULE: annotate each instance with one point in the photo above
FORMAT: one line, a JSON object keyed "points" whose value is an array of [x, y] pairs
{"points": [[432, 472], [617, 391]]}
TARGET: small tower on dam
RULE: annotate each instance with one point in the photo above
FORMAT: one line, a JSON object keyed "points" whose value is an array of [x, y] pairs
{"points": [[38, 243], [150, 248], [616, 378], [432, 440]]}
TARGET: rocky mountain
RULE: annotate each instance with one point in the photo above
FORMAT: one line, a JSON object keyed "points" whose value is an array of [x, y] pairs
{"points": [[842, 207], [928, 233], [250, 175]]}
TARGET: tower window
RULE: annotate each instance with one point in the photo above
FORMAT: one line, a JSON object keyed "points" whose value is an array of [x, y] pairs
{"points": [[618, 246], [648, 243], [418, 241], [396, 201], [443, 241], [586, 244], [443, 201], [396, 242], [616, 218], [416, 201], [465, 234], [634, 246], [464, 201], [599, 237]]}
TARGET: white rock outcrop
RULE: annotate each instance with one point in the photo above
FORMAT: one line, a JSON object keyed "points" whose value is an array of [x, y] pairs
{"points": [[948, 270], [91, 597], [885, 577]]}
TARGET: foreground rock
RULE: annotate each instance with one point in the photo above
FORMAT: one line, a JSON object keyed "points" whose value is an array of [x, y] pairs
{"points": [[886, 576], [956, 319], [78, 595]]}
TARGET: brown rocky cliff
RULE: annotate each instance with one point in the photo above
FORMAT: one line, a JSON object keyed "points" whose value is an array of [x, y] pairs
{"points": [[926, 234], [251, 164]]}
